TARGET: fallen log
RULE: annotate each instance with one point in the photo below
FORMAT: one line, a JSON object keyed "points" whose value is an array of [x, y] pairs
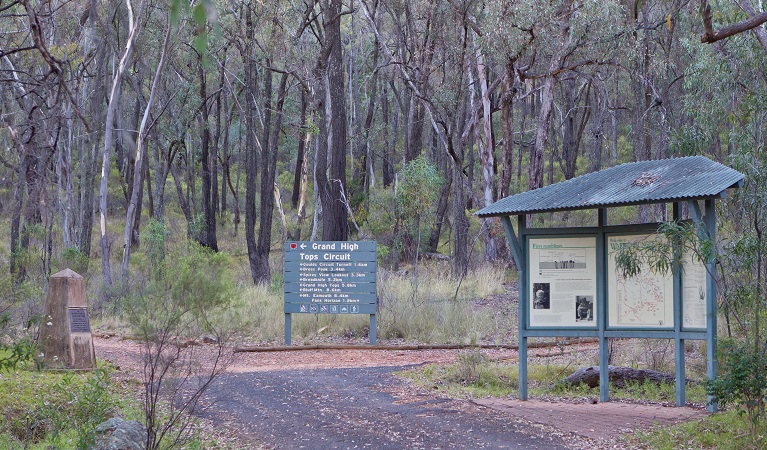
{"points": [[618, 376], [291, 348]]}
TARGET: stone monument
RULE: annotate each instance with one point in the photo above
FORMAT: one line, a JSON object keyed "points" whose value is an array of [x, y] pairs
{"points": [[65, 339]]}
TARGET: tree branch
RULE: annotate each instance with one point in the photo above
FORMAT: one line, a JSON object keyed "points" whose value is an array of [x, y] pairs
{"points": [[710, 36]]}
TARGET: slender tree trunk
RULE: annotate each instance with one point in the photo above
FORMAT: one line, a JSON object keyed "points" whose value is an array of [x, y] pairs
{"points": [[598, 106], [301, 210], [109, 142], [251, 157], [389, 143], [486, 149], [442, 208], [17, 265], [224, 156], [208, 234], [547, 97], [302, 132], [460, 224], [268, 176], [361, 172], [130, 216], [507, 125]]}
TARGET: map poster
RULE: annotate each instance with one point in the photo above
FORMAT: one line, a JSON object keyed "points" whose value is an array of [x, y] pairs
{"points": [[693, 292], [563, 280], [645, 300]]}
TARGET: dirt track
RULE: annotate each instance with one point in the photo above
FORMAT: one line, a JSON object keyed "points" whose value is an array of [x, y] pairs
{"points": [[343, 399], [359, 408]]}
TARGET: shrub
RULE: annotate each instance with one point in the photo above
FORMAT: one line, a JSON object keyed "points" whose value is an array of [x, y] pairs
{"points": [[185, 299], [741, 381]]}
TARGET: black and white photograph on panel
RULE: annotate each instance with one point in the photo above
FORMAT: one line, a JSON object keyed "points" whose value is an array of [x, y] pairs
{"points": [[541, 295], [584, 308]]}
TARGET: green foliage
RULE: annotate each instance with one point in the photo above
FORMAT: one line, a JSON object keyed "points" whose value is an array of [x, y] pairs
{"points": [[183, 292], [73, 258], [87, 404], [723, 431], [155, 238], [196, 226], [382, 251], [742, 380], [18, 324], [418, 188], [415, 199], [185, 296], [11, 355], [41, 409]]}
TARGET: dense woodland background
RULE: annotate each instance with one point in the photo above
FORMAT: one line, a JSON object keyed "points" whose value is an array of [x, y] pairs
{"points": [[355, 119]]}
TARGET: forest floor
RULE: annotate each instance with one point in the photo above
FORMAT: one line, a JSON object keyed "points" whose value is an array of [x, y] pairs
{"points": [[354, 398], [319, 399]]}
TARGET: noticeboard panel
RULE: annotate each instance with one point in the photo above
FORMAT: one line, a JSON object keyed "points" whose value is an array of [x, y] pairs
{"points": [[562, 282], [644, 301]]}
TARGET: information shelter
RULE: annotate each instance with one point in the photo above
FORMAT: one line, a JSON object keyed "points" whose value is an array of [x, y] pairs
{"points": [[569, 283], [330, 277]]}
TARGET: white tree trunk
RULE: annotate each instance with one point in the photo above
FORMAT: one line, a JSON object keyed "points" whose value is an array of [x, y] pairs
{"points": [[135, 26], [130, 216]]}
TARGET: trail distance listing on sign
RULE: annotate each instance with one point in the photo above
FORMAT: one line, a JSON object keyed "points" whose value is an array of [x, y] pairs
{"points": [[330, 277]]}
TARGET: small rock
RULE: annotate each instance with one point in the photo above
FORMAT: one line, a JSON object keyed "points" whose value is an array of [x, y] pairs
{"points": [[119, 434]]}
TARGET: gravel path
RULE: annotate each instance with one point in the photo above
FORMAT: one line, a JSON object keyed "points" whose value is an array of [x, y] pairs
{"points": [[359, 408]]}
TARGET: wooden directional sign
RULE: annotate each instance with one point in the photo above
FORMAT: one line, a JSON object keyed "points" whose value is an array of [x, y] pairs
{"points": [[330, 277]]}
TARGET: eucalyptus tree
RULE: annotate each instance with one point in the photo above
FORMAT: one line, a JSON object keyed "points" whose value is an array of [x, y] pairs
{"points": [[42, 70], [171, 27], [754, 20], [134, 27], [275, 44], [333, 132], [546, 42], [447, 104]]}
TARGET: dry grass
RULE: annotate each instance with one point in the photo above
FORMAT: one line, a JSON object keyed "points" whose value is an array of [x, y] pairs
{"points": [[423, 309]]}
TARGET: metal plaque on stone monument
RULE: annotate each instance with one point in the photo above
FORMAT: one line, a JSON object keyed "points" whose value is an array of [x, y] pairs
{"points": [[65, 337]]}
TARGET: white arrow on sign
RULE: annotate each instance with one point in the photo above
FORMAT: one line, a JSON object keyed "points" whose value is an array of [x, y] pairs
{"points": [[303, 246]]}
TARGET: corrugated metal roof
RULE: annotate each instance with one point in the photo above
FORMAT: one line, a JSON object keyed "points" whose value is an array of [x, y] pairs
{"points": [[657, 181]]}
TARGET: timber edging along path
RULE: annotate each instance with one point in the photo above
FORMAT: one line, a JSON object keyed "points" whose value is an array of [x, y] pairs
{"points": [[242, 349]]}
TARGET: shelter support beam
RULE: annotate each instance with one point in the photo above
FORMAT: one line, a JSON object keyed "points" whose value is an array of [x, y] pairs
{"points": [[604, 347], [710, 223], [706, 225], [520, 258], [681, 394]]}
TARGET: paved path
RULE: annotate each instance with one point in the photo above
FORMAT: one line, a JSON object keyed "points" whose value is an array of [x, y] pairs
{"points": [[602, 421], [360, 408]]}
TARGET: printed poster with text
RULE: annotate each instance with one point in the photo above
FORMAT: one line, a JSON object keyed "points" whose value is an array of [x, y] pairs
{"points": [[693, 292], [563, 280], [645, 300]]}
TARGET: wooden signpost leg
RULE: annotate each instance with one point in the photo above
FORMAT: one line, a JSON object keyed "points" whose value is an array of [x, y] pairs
{"points": [[288, 328]]}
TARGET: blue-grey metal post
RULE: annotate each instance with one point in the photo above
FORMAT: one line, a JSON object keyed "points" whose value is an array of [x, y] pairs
{"points": [[678, 341], [523, 296], [521, 261], [710, 222], [604, 347], [372, 329], [288, 327]]}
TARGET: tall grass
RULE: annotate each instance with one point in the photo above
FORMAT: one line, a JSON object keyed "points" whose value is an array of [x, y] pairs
{"points": [[436, 308], [429, 308]]}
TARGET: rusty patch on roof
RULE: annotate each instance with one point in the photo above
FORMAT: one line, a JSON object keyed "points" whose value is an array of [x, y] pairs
{"points": [[642, 182], [645, 179]]}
